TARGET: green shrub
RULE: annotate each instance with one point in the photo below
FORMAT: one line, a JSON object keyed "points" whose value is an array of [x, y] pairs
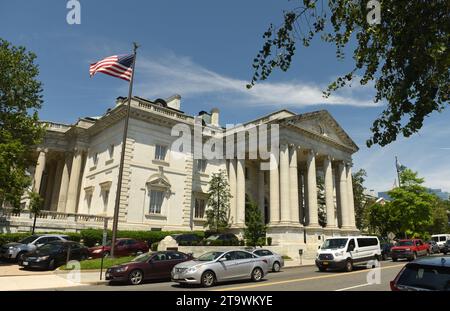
{"points": [[269, 241], [12, 237], [154, 246]]}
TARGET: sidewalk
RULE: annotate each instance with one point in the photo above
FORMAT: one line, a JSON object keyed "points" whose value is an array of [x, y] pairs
{"points": [[296, 263], [55, 279]]}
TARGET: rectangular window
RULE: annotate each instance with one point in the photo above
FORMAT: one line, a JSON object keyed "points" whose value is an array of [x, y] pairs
{"points": [[95, 158], [156, 201], [199, 211], [111, 151], [160, 152], [105, 200], [88, 201], [201, 165]]}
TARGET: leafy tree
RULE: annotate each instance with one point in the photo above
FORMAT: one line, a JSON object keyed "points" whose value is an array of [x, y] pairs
{"points": [[255, 230], [439, 217], [321, 201], [218, 212], [20, 97], [379, 220], [406, 55], [36, 204], [361, 201]]}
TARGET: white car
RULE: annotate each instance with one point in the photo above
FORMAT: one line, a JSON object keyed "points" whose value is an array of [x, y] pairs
{"points": [[275, 261], [440, 239], [347, 251]]}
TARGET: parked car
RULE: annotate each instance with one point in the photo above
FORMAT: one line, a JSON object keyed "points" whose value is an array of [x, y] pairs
{"points": [[409, 249], [440, 239], [424, 274], [16, 250], [124, 247], [274, 260], [213, 267], [226, 238], [157, 265], [54, 254], [446, 248], [346, 252], [433, 247], [386, 250], [187, 238]]}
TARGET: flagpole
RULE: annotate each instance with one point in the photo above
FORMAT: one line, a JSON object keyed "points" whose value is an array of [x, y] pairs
{"points": [[122, 157], [398, 172]]}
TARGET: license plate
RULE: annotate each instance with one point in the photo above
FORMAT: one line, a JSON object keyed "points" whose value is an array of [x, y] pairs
{"points": [[325, 263], [25, 263]]}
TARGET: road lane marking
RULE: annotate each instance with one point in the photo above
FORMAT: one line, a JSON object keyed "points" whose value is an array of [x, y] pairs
{"points": [[301, 279], [351, 287]]}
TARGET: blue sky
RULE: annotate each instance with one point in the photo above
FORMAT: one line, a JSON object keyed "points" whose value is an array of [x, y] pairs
{"points": [[203, 50]]}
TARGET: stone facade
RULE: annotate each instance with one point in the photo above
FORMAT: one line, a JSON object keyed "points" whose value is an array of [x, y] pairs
{"points": [[77, 168]]}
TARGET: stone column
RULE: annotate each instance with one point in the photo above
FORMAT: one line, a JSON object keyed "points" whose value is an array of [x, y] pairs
{"points": [[57, 184], [343, 196], [62, 196], [329, 198], [350, 201], [240, 192], [284, 184], [232, 181], [293, 186], [49, 188], [274, 191], [74, 181], [261, 193], [39, 171], [313, 215], [300, 197]]}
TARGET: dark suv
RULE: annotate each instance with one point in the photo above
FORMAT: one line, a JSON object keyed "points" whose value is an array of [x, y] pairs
{"points": [[424, 274], [224, 238], [446, 247], [187, 239]]}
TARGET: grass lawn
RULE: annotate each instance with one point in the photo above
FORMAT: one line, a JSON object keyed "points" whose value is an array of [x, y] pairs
{"points": [[95, 263]]}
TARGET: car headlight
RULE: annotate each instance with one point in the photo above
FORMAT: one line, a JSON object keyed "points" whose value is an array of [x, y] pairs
{"points": [[122, 269], [191, 269], [337, 254], [42, 258]]}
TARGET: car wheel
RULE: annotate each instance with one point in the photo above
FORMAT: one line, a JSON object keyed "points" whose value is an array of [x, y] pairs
{"points": [[394, 259], [135, 277], [348, 265], [257, 274], [208, 279], [19, 256], [83, 257], [51, 265], [106, 254], [276, 266]]}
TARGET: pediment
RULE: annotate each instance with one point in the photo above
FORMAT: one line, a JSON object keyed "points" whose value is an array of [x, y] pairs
{"points": [[322, 124]]}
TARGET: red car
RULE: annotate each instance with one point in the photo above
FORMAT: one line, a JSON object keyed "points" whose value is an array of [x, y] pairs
{"points": [[124, 247], [409, 249], [157, 265]]}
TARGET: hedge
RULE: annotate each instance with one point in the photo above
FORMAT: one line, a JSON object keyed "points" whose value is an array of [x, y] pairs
{"points": [[92, 236]]}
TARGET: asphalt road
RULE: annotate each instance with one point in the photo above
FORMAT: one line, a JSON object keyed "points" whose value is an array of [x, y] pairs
{"points": [[289, 279]]}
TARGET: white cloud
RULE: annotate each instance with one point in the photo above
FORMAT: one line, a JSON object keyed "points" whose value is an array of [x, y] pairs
{"points": [[164, 76]]}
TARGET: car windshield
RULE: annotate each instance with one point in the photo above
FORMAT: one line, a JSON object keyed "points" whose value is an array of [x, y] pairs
{"points": [[50, 247], [29, 239], [143, 257], [405, 243], [209, 256], [435, 238], [426, 277], [334, 243]]}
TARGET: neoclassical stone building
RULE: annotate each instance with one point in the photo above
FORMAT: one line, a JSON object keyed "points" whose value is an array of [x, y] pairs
{"points": [[77, 165]]}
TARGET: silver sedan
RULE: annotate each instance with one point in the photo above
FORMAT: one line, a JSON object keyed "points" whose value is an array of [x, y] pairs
{"points": [[275, 261], [213, 267]]}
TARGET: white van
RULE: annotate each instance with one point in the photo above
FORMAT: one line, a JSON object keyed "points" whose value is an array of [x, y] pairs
{"points": [[440, 239], [347, 251]]}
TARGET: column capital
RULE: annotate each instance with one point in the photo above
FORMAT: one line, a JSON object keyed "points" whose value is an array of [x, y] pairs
{"points": [[42, 149]]}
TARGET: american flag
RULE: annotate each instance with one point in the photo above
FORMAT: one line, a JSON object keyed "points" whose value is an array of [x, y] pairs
{"points": [[119, 66]]}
